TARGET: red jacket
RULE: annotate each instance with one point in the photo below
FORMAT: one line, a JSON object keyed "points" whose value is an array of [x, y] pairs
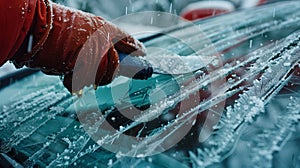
{"points": [[16, 18], [47, 36]]}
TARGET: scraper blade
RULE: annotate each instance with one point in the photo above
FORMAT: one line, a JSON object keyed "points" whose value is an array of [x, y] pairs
{"points": [[171, 64]]}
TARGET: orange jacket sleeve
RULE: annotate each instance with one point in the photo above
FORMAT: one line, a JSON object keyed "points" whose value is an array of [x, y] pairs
{"points": [[47, 36], [16, 20]]}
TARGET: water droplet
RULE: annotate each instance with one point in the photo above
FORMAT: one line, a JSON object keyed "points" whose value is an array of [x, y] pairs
{"points": [[287, 64]]}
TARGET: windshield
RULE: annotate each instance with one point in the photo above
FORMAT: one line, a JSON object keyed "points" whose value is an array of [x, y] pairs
{"points": [[258, 48]]}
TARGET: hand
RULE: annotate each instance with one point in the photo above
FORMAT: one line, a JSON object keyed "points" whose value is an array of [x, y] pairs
{"points": [[77, 45]]}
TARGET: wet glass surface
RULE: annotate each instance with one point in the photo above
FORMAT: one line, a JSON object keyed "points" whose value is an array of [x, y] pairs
{"points": [[259, 49]]}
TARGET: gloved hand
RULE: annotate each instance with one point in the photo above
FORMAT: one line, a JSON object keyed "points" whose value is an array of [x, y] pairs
{"points": [[61, 38]]}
